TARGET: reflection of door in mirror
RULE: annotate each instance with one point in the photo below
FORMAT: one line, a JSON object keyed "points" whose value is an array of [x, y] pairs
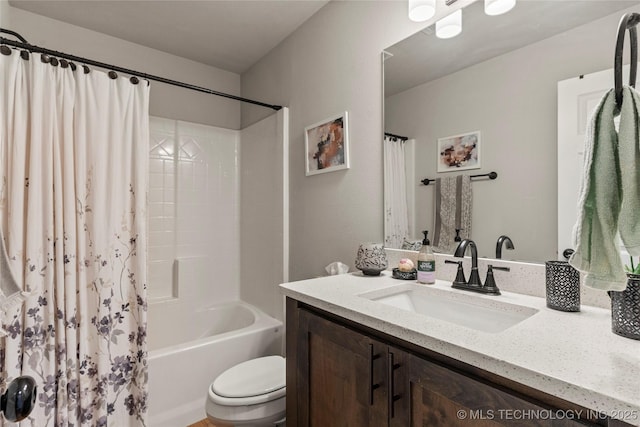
{"points": [[577, 98]]}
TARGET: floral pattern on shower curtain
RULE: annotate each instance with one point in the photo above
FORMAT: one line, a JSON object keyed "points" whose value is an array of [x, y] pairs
{"points": [[73, 170]]}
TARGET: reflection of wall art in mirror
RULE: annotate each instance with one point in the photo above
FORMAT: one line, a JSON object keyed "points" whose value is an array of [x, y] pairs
{"points": [[459, 152], [327, 145]]}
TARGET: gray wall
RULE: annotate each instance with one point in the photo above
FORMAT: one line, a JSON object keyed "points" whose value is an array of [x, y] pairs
{"points": [[331, 64], [512, 100], [262, 200], [165, 100]]}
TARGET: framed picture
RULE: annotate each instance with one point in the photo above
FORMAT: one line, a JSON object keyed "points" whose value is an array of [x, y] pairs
{"points": [[459, 152], [327, 145]]}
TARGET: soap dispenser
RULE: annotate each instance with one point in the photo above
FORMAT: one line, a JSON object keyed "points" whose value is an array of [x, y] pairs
{"points": [[426, 262]]}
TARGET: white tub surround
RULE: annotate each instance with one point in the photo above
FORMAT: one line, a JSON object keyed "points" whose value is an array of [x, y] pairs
{"points": [[181, 372], [573, 356]]}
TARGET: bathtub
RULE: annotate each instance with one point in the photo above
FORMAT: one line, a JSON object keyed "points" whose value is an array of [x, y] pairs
{"points": [[181, 367]]}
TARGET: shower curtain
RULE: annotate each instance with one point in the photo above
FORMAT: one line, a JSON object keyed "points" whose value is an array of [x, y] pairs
{"points": [[73, 167], [396, 226]]}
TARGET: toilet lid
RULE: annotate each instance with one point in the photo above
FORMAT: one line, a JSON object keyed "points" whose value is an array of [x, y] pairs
{"points": [[252, 378]]}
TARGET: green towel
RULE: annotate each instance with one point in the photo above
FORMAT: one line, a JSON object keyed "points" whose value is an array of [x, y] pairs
{"points": [[629, 155], [609, 197]]}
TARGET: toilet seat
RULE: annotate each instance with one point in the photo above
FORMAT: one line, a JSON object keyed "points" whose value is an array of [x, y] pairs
{"points": [[250, 383]]}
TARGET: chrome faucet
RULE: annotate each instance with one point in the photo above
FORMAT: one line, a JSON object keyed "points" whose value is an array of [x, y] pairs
{"points": [[507, 243], [474, 277]]}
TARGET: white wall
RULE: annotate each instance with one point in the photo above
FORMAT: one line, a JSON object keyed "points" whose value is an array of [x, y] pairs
{"points": [[331, 64], [165, 100], [4, 14], [512, 100], [263, 201]]}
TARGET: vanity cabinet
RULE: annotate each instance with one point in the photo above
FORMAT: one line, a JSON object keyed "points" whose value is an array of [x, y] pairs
{"points": [[340, 373], [435, 395]]}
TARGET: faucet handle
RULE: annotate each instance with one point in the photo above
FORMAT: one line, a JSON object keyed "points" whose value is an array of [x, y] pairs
{"points": [[460, 279], [490, 286]]}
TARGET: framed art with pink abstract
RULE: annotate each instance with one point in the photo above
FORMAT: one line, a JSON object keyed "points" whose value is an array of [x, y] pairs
{"points": [[327, 145], [459, 152]]}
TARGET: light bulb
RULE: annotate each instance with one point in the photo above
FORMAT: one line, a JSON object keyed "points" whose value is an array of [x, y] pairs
{"points": [[421, 10], [498, 7], [450, 25]]}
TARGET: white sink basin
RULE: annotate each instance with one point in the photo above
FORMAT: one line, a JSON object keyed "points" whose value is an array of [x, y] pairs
{"points": [[486, 314]]}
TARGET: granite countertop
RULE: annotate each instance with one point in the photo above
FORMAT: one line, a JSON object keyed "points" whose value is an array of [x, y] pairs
{"points": [[574, 356]]}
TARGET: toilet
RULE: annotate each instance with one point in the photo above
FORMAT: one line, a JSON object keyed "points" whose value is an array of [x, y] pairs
{"points": [[251, 393]]}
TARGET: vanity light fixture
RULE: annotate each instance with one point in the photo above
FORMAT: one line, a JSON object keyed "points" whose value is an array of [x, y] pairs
{"points": [[498, 7], [421, 10], [450, 25]]}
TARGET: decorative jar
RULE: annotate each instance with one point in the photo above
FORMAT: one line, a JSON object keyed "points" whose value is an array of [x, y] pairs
{"points": [[371, 258], [625, 309], [563, 286]]}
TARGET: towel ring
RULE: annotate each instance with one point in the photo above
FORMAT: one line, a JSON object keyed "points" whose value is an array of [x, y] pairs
{"points": [[628, 22]]}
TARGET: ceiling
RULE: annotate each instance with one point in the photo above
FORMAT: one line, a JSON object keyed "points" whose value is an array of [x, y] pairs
{"points": [[230, 35], [423, 57]]}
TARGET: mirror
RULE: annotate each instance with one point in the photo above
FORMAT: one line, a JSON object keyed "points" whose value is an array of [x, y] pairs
{"points": [[499, 78]]}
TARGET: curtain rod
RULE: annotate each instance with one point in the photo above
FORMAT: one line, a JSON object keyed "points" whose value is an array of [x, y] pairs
{"points": [[404, 138], [32, 48]]}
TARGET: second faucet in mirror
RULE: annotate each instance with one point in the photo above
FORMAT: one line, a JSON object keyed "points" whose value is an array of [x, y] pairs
{"points": [[506, 241]]}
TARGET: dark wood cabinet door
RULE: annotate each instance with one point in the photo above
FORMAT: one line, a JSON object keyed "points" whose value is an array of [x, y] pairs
{"points": [[341, 375], [434, 395], [338, 375]]}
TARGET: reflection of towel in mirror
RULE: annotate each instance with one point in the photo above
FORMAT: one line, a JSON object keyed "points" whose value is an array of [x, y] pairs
{"points": [[453, 201], [10, 295], [609, 196]]}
